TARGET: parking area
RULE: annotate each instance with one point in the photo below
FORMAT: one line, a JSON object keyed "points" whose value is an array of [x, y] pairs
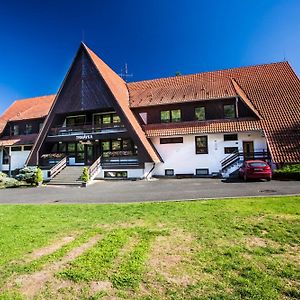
{"points": [[154, 190]]}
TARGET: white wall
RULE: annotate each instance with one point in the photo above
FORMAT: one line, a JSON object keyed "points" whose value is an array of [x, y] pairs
{"points": [[184, 160], [18, 159]]}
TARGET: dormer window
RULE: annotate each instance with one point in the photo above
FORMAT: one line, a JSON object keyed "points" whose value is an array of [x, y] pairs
{"points": [[200, 113], [229, 111], [15, 130], [28, 128], [167, 116]]}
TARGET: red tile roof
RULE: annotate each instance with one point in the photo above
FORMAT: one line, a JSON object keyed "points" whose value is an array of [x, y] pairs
{"points": [[272, 90], [28, 139], [31, 108], [199, 127]]}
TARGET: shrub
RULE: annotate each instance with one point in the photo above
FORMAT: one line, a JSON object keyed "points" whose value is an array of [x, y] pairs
{"points": [[289, 171], [7, 182], [38, 176], [85, 175], [28, 174]]}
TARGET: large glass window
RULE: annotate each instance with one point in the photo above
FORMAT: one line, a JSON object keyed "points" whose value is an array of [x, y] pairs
{"points": [[106, 146], [201, 145], [75, 121], [116, 119], [200, 113], [229, 111], [71, 148]]}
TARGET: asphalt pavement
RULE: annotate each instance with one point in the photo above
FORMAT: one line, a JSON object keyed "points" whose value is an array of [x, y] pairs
{"points": [[143, 191]]}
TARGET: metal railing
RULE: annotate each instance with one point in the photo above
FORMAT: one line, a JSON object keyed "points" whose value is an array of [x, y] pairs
{"points": [[86, 128], [58, 167], [95, 167], [236, 156]]}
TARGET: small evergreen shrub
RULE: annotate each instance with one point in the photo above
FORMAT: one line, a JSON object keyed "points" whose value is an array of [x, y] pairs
{"points": [[85, 175], [28, 174]]}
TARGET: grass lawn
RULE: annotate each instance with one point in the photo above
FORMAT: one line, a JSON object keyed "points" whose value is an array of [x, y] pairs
{"points": [[221, 249]]}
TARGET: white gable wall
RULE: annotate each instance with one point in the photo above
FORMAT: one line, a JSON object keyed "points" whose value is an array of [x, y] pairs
{"points": [[183, 159]]}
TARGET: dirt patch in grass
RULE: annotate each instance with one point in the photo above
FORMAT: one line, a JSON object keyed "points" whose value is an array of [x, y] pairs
{"points": [[168, 256], [31, 284], [51, 248]]}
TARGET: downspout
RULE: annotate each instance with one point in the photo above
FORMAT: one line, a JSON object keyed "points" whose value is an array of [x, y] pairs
{"points": [[146, 177]]}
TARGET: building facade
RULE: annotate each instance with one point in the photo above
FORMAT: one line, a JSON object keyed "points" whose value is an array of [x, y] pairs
{"points": [[204, 124]]}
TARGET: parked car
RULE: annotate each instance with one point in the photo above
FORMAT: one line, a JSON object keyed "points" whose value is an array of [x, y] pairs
{"points": [[255, 169]]}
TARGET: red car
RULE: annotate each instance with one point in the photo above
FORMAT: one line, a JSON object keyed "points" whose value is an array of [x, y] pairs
{"points": [[255, 169]]}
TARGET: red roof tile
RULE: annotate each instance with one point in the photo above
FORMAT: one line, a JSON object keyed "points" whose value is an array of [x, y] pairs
{"points": [[198, 127], [28, 139], [31, 108], [272, 90]]}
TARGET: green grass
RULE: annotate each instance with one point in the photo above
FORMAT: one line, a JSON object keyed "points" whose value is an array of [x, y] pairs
{"points": [[222, 249]]}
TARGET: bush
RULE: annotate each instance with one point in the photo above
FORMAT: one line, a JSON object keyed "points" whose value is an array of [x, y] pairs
{"points": [[38, 176], [7, 182], [289, 171], [85, 175], [28, 174]]}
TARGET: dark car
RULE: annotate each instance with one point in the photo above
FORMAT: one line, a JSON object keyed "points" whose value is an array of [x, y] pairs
{"points": [[255, 169]]}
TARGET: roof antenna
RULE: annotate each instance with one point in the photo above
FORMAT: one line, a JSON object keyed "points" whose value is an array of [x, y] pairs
{"points": [[284, 55], [124, 73]]}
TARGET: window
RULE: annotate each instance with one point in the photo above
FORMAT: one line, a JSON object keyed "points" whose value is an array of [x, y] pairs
{"points": [[71, 148], [16, 148], [27, 148], [5, 157], [106, 119], [28, 128], [62, 147], [202, 172], [115, 174], [201, 145], [116, 145], [229, 150], [75, 121], [106, 146], [167, 116], [127, 145], [229, 111], [200, 113], [175, 140], [169, 172], [15, 130], [176, 115], [116, 118], [230, 137]]}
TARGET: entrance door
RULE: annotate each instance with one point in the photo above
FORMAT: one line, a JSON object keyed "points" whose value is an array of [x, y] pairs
{"points": [[248, 149], [89, 154]]}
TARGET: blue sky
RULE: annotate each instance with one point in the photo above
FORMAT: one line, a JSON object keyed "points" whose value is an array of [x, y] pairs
{"points": [[156, 38]]}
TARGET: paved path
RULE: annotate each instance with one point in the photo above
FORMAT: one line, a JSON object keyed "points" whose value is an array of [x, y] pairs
{"points": [[141, 191]]}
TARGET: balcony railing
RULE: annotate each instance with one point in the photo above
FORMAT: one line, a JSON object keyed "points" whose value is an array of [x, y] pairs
{"points": [[86, 128]]}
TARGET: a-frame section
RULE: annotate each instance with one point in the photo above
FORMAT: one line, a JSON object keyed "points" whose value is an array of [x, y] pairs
{"points": [[85, 88]]}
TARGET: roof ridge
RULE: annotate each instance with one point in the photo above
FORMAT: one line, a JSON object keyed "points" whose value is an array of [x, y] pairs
{"points": [[208, 72]]}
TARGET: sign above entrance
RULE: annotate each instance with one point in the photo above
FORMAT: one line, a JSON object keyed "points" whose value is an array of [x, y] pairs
{"points": [[84, 137]]}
